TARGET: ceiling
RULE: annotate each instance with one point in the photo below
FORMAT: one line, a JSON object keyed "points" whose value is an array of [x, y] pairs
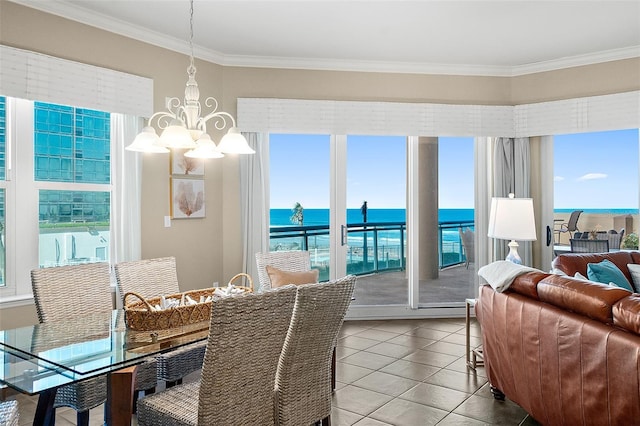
{"points": [[445, 37]]}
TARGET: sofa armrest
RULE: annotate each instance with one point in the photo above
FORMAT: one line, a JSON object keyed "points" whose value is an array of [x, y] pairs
{"points": [[626, 313], [526, 284]]}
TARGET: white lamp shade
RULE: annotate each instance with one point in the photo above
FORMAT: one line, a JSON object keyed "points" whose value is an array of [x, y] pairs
{"points": [[512, 219], [205, 148], [176, 136], [234, 143], [146, 141]]}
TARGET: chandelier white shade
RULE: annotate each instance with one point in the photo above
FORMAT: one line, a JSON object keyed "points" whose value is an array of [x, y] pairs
{"points": [[234, 143], [147, 141], [183, 126], [512, 219], [205, 148]]}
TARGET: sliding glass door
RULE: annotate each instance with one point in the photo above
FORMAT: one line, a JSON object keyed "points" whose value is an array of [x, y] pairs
{"points": [[299, 181], [376, 228], [343, 198]]}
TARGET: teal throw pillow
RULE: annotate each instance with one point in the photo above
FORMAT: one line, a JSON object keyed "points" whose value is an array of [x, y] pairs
{"points": [[606, 272]]}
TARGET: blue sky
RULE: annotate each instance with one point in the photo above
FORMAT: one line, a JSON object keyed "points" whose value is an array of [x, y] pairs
{"points": [[591, 170], [376, 170], [596, 170]]}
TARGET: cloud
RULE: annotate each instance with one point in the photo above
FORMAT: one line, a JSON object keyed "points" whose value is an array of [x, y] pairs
{"points": [[591, 176], [558, 178]]}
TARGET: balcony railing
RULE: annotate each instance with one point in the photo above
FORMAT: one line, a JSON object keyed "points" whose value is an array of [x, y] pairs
{"points": [[372, 247]]}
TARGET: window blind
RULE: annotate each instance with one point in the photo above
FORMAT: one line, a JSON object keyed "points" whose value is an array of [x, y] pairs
{"points": [[589, 114], [34, 76]]}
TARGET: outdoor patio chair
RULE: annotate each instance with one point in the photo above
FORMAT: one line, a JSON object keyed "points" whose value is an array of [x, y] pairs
{"points": [[467, 238], [303, 381], [246, 336], [614, 237], [63, 292], [153, 278], [589, 246], [570, 226]]}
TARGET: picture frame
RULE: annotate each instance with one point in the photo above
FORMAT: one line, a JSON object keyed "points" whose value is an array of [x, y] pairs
{"points": [[187, 198], [186, 166]]}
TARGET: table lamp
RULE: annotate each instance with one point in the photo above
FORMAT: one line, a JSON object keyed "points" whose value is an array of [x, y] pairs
{"points": [[512, 219]]}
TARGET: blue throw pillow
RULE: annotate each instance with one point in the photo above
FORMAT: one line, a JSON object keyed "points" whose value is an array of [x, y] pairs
{"points": [[606, 272]]}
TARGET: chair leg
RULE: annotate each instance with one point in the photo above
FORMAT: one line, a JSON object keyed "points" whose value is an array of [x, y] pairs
{"points": [[333, 370], [326, 421], [83, 418], [134, 407]]}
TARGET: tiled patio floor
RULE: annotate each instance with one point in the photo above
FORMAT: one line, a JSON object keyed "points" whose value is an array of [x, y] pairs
{"points": [[453, 285]]}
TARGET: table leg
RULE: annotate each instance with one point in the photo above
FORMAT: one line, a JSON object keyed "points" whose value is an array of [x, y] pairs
{"points": [[120, 393], [467, 324], [44, 409]]}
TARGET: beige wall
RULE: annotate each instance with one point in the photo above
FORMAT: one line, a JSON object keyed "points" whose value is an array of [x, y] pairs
{"points": [[592, 80], [210, 249]]}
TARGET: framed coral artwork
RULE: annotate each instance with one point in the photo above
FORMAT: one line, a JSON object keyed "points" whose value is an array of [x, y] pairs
{"points": [[187, 198], [181, 165]]}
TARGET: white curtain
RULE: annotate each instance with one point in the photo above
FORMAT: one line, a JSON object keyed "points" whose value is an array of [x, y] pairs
{"points": [[512, 174], [126, 172], [482, 203], [254, 200]]}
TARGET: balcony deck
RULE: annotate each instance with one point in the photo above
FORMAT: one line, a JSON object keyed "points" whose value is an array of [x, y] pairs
{"points": [[453, 285]]}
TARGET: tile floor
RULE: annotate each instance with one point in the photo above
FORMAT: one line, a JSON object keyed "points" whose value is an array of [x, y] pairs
{"points": [[394, 372]]}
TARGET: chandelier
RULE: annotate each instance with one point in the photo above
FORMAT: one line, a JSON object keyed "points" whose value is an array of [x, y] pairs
{"points": [[184, 127]]}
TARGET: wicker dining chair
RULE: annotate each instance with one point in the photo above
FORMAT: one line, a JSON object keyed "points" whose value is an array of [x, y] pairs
{"points": [[293, 261], [63, 292], [303, 379], [9, 414], [153, 278], [246, 335]]}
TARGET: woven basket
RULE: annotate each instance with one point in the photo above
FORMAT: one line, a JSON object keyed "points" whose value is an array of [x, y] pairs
{"points": [[140, 316]]}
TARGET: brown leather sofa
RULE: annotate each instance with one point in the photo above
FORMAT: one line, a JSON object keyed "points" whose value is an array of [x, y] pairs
{"points": [[565, 350]]}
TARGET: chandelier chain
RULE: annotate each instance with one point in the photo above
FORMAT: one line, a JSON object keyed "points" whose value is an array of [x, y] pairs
{"points": [[191, 32]]}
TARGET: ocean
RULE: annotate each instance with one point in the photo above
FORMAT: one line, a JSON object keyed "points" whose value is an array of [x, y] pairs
{"points": [[450, 235], [281, 217]]}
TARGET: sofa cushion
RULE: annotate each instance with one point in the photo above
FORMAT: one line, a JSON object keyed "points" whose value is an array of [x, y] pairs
{"points": [[606, 272], [634, 270], [592, 299], [280, 278], [570, 263]]}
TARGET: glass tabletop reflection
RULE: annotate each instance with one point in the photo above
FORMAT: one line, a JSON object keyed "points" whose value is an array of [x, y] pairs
{"points": [[52, 354]]}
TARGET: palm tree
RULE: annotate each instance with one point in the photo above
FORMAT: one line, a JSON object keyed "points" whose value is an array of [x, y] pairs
{"points": [[298, 214]]}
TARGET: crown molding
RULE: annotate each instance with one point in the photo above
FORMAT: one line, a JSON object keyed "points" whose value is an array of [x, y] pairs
{"points": [[365, 66], [66, 10], [577, 61]]}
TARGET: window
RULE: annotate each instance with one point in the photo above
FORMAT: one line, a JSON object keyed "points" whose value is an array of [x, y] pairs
{"points": [[59, 191], [596, 173], [72, 146]]}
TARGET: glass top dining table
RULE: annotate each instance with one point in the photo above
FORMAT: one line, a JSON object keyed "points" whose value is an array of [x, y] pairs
{"points": [[40, 358]]}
